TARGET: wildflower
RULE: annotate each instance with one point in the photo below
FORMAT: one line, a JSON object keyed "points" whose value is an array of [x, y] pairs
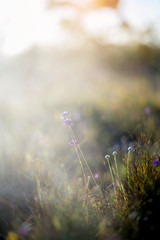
{"points": [[67, 122], [116, 183], [74, 142], [147, 110], [89, 177], [24, 229], [130, 149], [114, 153], [96, 175], [155, 162], [65, 115], [107, 157]]}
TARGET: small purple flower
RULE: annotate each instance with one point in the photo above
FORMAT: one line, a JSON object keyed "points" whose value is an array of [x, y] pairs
{"points": [[116, 184], [24, 229], [156, 162], [71, 143], [147, 110], [65, 115], [96, 175], [74, 142], [67, 122]]}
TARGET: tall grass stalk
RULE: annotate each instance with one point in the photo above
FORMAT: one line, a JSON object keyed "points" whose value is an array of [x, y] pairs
{"points": [[111, 172], [128, 160], [85, 161], [115, 161], [120, 185], [79, 159]]}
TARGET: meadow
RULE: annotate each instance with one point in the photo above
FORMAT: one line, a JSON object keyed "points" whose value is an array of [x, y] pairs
{"points": [[80, 144]]}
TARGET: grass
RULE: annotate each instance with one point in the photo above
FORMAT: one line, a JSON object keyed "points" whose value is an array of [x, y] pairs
{"points": [[52, 190], [122, 202]]}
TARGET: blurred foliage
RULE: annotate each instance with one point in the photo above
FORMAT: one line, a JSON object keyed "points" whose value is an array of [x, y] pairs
{"points": [[94, 4], [113, 96], [138, 204]]}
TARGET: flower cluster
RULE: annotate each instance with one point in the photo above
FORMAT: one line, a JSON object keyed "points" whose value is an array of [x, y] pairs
{"points": [[67, 121], [74, 142]]}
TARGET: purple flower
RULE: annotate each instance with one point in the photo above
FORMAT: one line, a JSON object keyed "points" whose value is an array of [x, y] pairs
{"points": [[65, 115], [147, 110], [74, 142], [24, 229], [67, 122], [155, 162], [96, 175], [116, 184]]}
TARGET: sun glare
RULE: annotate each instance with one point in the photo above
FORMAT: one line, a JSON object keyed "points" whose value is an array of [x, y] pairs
{"points": [[25, 23]]}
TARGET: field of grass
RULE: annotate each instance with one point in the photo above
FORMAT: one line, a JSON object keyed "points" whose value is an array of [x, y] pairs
{"points": [[98, 179]]}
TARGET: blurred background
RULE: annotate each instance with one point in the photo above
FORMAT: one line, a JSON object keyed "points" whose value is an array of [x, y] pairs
{"points": [[97, 59]]}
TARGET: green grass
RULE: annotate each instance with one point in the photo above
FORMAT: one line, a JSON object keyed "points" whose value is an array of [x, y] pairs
{"points": [[45, 192], [123, 202]]}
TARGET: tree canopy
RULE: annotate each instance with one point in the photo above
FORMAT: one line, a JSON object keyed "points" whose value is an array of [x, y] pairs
{"points": [[91, 5]]}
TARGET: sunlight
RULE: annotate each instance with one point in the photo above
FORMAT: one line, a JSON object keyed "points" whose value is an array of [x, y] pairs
{"points": [[79, 120], [27, 23]]}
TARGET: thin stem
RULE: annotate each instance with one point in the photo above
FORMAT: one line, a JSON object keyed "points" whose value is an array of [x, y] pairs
{"points": [[115, 160], [80, 162], [84, 176], [87, 164], [110, 169], [100, 193], [128, 160]]}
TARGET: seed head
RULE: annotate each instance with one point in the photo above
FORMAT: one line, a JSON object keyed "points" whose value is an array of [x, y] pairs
{"points": [[114, 153], [130, 149], [107, 157]]}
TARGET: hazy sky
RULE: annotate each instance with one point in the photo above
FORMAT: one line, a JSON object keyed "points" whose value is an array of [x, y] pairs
{"points": [[140, 12], [24, 23]]}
